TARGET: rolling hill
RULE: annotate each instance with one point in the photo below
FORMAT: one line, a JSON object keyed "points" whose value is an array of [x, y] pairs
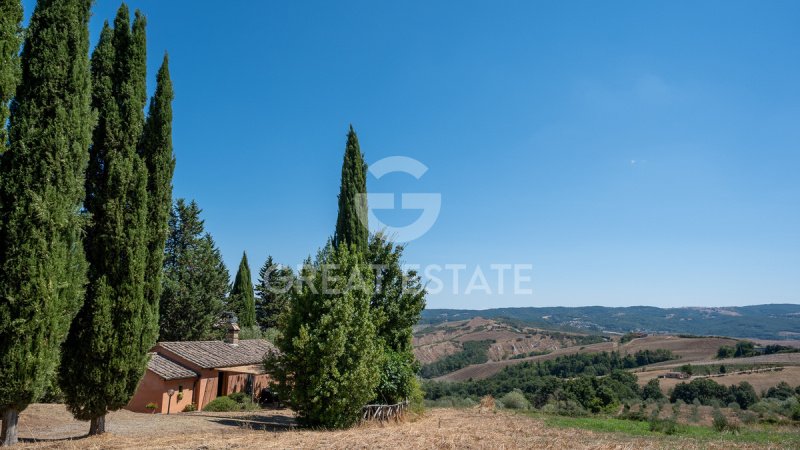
{"points": [[772, 321]]}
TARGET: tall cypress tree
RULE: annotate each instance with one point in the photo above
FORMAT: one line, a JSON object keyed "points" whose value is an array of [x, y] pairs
{"points": [[351, 224], [42, 263], [103, 358], [10, 39], [156, 149], [242, 299], [195, 278]]}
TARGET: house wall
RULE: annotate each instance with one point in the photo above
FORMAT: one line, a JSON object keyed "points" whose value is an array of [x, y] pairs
{"points": [[237, 382], [153, 389]]}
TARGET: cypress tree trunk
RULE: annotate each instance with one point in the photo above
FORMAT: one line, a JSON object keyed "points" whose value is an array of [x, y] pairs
{"points": [[351, 223], [97, 425], [8, 436], [42, 263]]}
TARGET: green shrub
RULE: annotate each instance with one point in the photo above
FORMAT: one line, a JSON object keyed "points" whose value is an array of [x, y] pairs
{"points": [[238, 397], [666, 426], [515, 400], [151, 406], [191, 407], [223, 404], [748, 417], [451, 402]]}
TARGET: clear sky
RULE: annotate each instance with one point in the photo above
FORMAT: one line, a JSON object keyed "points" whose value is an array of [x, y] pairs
{"points": [[631, 152]]}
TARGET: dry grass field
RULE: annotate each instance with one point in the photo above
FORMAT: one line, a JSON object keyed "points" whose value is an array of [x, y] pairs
{"points": [[437, 429]]}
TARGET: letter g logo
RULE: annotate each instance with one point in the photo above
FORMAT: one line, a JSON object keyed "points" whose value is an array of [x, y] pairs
{"points": [[429, 203]]}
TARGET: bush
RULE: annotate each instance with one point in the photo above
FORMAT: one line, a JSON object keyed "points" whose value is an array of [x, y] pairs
{"points": [[191, 407], [238, 397], [748, 417], [666, 426], [515, 400], [721, 423], [451, 402], [223, 404], [151, 406]]}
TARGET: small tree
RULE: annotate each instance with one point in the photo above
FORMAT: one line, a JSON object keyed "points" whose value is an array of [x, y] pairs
{"points": [[328, 369], [242, 300], [652, 390], [272, 292]]}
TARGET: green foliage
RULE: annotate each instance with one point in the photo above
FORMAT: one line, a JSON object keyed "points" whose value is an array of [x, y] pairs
{"points": [[105, 354], [652, 390], [451, 402], [397, 300], [191, 407], [781, 391], [223, 404], [629, 336], [515, 400], [744, 349], [10, 40], [726, 351], [721, 423], [247, 333], [42, 262], [398, 378], [272, 292], [195, 278], [540, 387], [399, 296], [667, 426], [351, 222], [329, 365], [156, 151], [709, 392], [242, 300], [472, 352]]}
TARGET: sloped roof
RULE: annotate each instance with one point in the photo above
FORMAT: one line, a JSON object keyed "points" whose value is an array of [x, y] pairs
{"points": [[214, 354], [168, 370]]}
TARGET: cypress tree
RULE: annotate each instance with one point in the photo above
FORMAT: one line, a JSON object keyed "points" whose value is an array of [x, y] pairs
{"points": [[351, 223], [42, 262], [195, 278], [10, 40], [242, 300], [103, 358], [329, 363], [156, 149], [272, 292]]}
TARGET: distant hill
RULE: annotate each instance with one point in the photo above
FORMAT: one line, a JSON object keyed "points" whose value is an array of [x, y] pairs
{"points": [[773, 321]]}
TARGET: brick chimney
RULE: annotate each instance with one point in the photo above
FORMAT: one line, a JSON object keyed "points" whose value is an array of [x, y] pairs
{"points": [[232, 334]]}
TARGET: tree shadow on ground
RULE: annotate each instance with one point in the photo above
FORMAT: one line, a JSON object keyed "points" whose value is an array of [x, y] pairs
{"points": [[27, 440], [274, 423]]}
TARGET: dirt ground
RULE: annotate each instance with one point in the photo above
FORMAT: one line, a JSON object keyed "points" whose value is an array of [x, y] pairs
{"points": [[50, 427]]}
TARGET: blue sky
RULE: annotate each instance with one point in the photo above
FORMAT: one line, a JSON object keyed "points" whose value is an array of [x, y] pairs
{"points": [[631, 152]]}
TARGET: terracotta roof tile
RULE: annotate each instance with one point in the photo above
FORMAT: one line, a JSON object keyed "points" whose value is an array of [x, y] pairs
{"points": [[213, 354], [168, 370]]}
